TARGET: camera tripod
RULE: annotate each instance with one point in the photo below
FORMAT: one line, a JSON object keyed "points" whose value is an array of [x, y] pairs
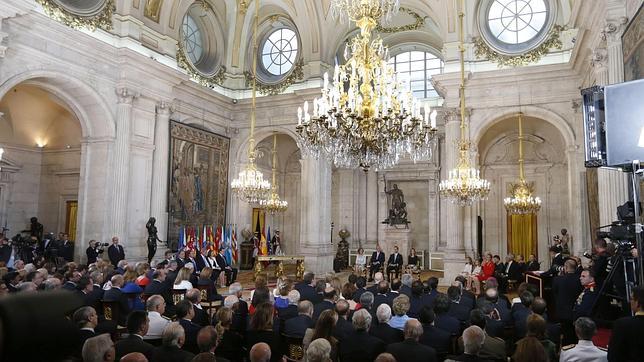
{"points": [[623, 291]]}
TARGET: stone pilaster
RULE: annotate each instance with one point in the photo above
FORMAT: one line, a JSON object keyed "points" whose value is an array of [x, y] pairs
{"points": [[159, 199], [315, 208], [455, 249], [121, 174]]}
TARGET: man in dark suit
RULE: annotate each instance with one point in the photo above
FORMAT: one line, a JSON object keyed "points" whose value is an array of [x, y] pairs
{"points": [[231, 273], [86, 291], [116, 295], [159, 286], [66, 249], [376, 262], [137, 326], [410, 349], [327, 303], [383, 296], [202, 260], [566, 288], [432, 285], [115, 252], [553, 329], [200, 317], [359, 346], [493, 348], [394, 264], [185, 313], [472, 341], [305, 287], [511, 271], [297, 326], [72, 281], [173, 339], [626, 340], [433, 337], [557, 265], [520, 313], [86, 319], [361, 283], [443, 319], [459, 308], [382, 330], [343, 328]]}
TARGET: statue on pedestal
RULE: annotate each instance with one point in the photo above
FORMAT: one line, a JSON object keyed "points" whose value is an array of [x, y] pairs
{"points": [[153, 238], [341, 260], [397, 209]]}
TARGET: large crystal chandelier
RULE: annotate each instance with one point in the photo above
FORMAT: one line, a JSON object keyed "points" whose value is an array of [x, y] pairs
{"points": [[365, 116], [273, 204], [250, 186], [521, 200], [464, 186]]}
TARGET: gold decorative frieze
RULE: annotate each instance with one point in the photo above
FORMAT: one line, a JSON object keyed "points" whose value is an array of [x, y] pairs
{"points": [[483, 51], [100, 19], [418, 23], [207, 81], [272, 89]]}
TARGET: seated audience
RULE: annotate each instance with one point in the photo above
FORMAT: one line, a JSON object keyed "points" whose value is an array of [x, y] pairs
{"points": [[584, 350], [98, 349], [185, 313], [360, 346], [520, 313], [626, 339], [343, 326], [229, 342], [297, 326], [382, 330], [410, 349], [205, 280], [86, 319], [400, 307], [443, 319], [260, 352], [327, 303], [156, 307], [493, 348], [529, 349], [182, 281], [324, 328], [394, 264], [536, 327], [137, 326], [376, 263], [319, 351], [115, 294], [305, 287], [434, 337], [261, 329], [201, 317], [171, 346], [472, 344]]}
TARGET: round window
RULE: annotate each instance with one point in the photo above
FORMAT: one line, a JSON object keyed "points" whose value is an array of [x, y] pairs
{"points": [[192, 39], [279, 51], [515, 26]]}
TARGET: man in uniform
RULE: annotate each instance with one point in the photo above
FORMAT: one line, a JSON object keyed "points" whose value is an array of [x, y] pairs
{"points": [[585, 350], [558, 260], [626, 340], [586, 300], [566, 288]]}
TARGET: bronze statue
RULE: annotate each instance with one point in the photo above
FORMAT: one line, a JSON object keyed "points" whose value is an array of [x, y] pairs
{"points": [[152, 238], [397, 211]]}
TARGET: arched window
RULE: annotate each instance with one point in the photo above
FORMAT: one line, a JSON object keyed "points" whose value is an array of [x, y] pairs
{"points": [[415, 69], [515, 26], [192, 39], [279, 51]]}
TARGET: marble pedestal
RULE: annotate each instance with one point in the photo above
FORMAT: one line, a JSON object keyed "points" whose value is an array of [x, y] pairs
{"points": [[399, 237], [453, 263]]}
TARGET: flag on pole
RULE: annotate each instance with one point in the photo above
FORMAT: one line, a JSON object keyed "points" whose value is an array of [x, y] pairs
{"points": [[229, 248], [217, 238], [204, 238], [234, 242], [268, 241], [263, 247], [182, 238], [210, 239]]}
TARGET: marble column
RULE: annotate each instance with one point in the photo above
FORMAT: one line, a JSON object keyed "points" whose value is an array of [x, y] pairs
{"points": [[455, 249], [121, 174], [315, 227], [159, 199]]}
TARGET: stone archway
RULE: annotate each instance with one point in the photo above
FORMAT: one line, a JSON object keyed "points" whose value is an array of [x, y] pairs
{"points": [[97, 136]]}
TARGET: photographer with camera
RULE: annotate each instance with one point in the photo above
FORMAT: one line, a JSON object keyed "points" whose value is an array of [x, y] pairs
{"points": [[94, 250], [600, 258]]}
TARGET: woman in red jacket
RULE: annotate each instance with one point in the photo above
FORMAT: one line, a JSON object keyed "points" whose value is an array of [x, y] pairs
{"points": [[487, 268]]}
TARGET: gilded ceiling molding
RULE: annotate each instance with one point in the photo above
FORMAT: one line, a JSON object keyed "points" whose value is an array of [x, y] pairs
{"points": [[483, 51], [272, 89], [102, 19], [418, 23], [183, 62]]}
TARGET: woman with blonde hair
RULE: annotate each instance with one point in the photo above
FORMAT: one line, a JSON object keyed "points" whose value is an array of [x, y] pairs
{"points": [[183, 280], [360, 266], [229, 342]]}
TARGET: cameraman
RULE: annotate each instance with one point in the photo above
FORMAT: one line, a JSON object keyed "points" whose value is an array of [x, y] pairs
{"points": [[600, 257], [93, 251]]}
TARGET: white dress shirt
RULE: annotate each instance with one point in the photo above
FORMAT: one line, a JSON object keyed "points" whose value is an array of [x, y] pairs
{"points": [[157, 325]]}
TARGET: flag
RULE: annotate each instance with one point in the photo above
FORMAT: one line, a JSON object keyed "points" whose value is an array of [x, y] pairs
{"points": [[229, 249], [182, 238], [211, 239], [234, 243], [217, 238], [190, 240], [197, 239], [204, 238], [268, 241], [263, 247]]}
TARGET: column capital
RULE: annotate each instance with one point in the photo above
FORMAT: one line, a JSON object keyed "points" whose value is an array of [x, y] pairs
{"points": [[164, 108], [598, 58], [614, 28], [126, 95]]}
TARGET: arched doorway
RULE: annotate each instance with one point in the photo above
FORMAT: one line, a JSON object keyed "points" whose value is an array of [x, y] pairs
{"points": [[546, 165], [94, 132], [42, 142]]}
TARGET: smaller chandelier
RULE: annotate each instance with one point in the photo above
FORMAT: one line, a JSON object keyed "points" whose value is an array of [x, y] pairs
{"points": [[273, 204], [250, 186], [521, 200], [464, 185]]}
